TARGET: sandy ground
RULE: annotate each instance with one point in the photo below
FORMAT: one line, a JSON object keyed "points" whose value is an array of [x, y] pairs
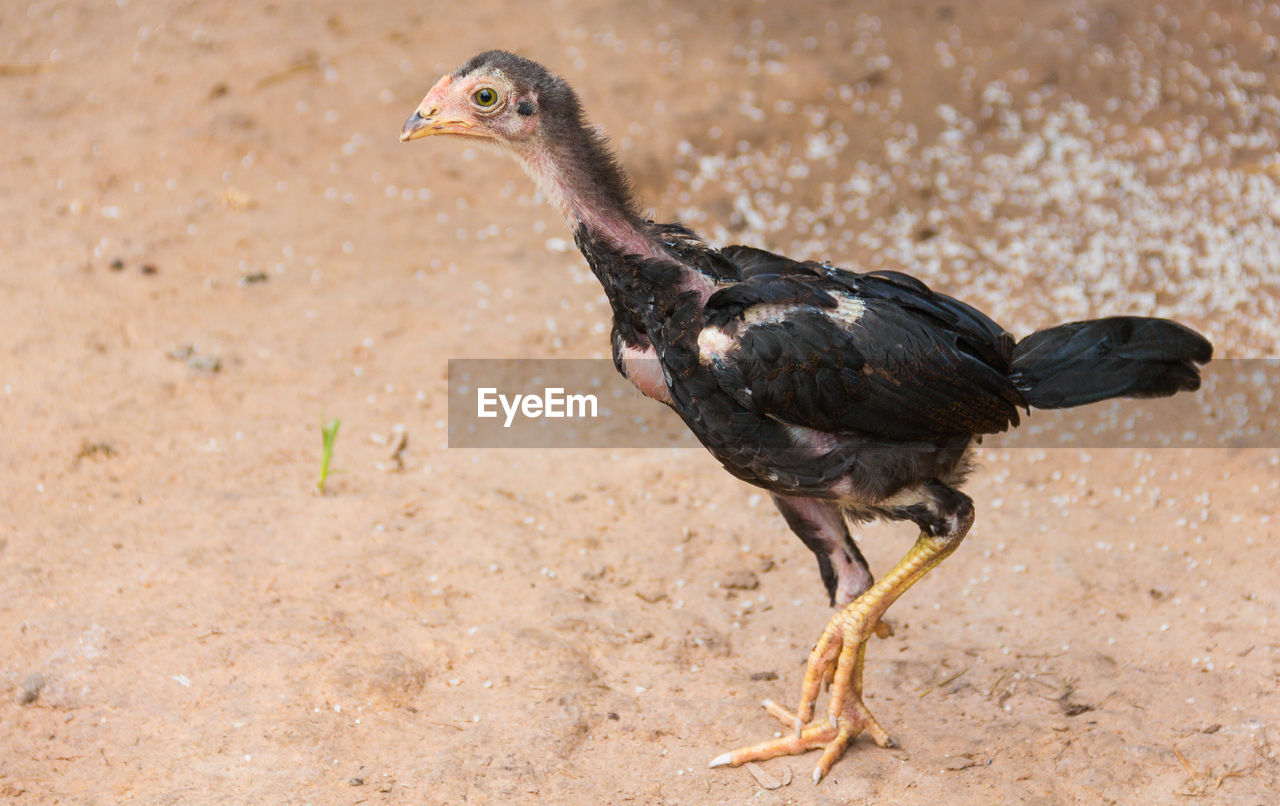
{"points": [[196, 187]]}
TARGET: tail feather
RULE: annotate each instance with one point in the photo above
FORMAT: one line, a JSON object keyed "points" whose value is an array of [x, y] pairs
{"points": [[1124, 356]]}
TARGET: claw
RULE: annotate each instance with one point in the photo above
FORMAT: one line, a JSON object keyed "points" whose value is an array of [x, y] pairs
{"points": [[723, 760]]}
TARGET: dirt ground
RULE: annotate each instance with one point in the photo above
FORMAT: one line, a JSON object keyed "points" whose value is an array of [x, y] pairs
{"points": [[211, 242]]}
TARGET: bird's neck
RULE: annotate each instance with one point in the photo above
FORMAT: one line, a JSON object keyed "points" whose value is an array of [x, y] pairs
{"points": [[581, 179], [644, 277]]}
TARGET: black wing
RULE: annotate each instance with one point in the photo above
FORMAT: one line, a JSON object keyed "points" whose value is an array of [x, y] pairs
{"points": [[877, 355]]}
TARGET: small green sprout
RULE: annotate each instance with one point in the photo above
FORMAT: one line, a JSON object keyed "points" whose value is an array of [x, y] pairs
{"points": [[328, 433]]}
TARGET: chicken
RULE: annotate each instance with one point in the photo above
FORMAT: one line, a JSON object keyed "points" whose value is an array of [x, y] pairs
{"points": [[848, 396]]}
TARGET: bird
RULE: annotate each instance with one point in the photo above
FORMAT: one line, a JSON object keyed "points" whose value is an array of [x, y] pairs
{"points": [[848, 396]]}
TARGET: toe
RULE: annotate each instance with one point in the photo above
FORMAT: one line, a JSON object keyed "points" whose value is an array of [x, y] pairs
{"points": [[832, 753], [878, 734], [816, 735], [787, 718]]}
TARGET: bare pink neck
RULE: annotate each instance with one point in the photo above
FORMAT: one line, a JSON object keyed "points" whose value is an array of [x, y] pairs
{"points": [[604, 208], [621, 232], [607, 218]]}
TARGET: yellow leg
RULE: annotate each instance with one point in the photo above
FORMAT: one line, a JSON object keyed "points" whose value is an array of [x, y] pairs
{"points": [[838, 657]]}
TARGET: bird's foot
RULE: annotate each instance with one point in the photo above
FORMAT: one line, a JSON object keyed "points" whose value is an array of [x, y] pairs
{"points": [[833, 736], [837, 660]]}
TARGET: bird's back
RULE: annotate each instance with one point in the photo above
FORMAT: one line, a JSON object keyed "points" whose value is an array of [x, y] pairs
{"points": [[878, 355]]}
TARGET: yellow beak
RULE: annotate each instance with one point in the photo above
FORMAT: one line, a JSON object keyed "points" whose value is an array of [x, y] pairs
{"points": [[419, 125]]}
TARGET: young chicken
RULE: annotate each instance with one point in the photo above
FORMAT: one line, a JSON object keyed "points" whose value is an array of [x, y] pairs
{"points": [[847, 396]]}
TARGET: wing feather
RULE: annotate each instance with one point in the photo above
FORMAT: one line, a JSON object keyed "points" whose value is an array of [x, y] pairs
{"points": [[877, 355]]}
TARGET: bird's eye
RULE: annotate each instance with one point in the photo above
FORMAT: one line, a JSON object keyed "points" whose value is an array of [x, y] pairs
{"points": [[485, 96]]}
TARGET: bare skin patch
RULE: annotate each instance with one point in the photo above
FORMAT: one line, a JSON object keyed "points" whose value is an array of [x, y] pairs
{"points": [[714, 343], [645, 371]]}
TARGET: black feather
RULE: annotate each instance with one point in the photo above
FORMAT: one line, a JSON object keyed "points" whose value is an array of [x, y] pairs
{"points": [[1124, 356]]}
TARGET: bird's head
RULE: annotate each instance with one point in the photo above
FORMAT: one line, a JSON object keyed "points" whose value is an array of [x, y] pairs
{"points": [[496, 96], [509, 101]]}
